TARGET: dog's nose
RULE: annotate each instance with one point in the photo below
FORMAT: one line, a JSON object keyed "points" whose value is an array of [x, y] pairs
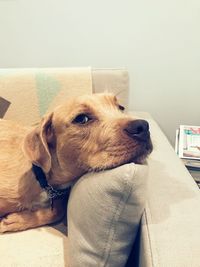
{"points": [[138, 129]]}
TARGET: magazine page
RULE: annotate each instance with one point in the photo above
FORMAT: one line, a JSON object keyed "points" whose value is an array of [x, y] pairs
{"points": [[189, 143], [177, 142]]}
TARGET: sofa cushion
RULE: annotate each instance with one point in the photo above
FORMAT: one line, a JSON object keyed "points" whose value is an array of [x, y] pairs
{"points": [[104, 212], [38, 247]]}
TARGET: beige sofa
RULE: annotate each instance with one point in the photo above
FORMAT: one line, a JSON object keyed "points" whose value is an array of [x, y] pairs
{"points": [[170, 228]]}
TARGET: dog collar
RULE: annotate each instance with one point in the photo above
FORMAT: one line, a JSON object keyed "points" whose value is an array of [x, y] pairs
{"points": [[51, 192]]}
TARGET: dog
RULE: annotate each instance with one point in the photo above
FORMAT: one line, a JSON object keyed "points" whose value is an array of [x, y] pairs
{"points": [[88, 133]]}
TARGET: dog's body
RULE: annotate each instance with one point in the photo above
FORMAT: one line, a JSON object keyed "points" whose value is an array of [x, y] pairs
{"points": [[89, 133], [19, 190], [14, 168]]}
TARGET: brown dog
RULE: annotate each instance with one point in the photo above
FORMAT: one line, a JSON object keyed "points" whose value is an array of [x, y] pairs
{"points": [[89, 133]]}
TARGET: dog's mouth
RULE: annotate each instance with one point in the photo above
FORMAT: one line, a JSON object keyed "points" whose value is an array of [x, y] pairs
{"points": [[137, 156], [140, 156], [143, 153]]}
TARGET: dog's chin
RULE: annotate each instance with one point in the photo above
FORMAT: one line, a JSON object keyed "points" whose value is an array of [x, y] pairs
{"points": [[140, 158], [143, 154]]}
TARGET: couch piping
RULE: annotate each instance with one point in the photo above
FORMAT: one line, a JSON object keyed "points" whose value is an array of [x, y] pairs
{"points": [[152, 248]]}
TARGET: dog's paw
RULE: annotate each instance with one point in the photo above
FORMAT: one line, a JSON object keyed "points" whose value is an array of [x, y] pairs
{"points": [[11, 223]]}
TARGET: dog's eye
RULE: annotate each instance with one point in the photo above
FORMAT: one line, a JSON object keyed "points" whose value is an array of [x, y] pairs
{"points": [[82, 119], [121, 107]]}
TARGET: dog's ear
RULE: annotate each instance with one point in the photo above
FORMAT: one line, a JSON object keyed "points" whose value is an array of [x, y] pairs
{"points": [[36, 143]]}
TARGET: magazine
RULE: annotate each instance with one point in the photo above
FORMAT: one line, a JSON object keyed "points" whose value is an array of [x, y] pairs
{"points": [[189, 142], [187, 145]]}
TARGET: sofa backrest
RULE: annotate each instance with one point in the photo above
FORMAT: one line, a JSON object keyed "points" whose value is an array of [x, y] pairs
{"points": [[34, 92], [112, 80]]}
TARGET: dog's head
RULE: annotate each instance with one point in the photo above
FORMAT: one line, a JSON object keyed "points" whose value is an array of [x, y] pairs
{"points": [[89, 133]]}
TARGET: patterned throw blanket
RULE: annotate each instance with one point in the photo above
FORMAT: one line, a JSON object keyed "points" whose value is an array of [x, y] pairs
{"points": [[33, 92]]}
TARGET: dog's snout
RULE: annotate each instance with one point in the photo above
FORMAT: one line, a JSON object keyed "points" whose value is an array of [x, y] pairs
{"points": [[138, 129]]}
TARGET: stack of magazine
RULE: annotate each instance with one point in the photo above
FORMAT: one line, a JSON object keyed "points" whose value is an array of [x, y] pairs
{"points": [[187, 146]]}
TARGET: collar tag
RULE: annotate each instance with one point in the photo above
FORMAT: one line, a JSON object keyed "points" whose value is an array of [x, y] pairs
{"points": [[52, 192]]}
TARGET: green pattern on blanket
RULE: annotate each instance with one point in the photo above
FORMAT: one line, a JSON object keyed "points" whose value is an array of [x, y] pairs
{"points": [[34, 92], [47, 88]]}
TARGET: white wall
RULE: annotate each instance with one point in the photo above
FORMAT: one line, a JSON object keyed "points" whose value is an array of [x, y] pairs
{"points": [[158, 41]]}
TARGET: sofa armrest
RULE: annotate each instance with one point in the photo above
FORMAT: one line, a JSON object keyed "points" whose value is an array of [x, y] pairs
{"points": [[170, 227]]}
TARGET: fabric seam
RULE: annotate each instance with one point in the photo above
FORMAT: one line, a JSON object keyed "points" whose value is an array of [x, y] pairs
{"points": [[148, 237], [112, 228]]}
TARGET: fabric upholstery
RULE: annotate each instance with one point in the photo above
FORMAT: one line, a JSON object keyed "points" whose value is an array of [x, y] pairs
{"points": [[170, 230], [115, 81], [41, 247], [104, 211], [170, 227]]}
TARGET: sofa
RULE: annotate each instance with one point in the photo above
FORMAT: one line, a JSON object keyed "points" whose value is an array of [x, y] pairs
{"points": [[169, 229]]}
